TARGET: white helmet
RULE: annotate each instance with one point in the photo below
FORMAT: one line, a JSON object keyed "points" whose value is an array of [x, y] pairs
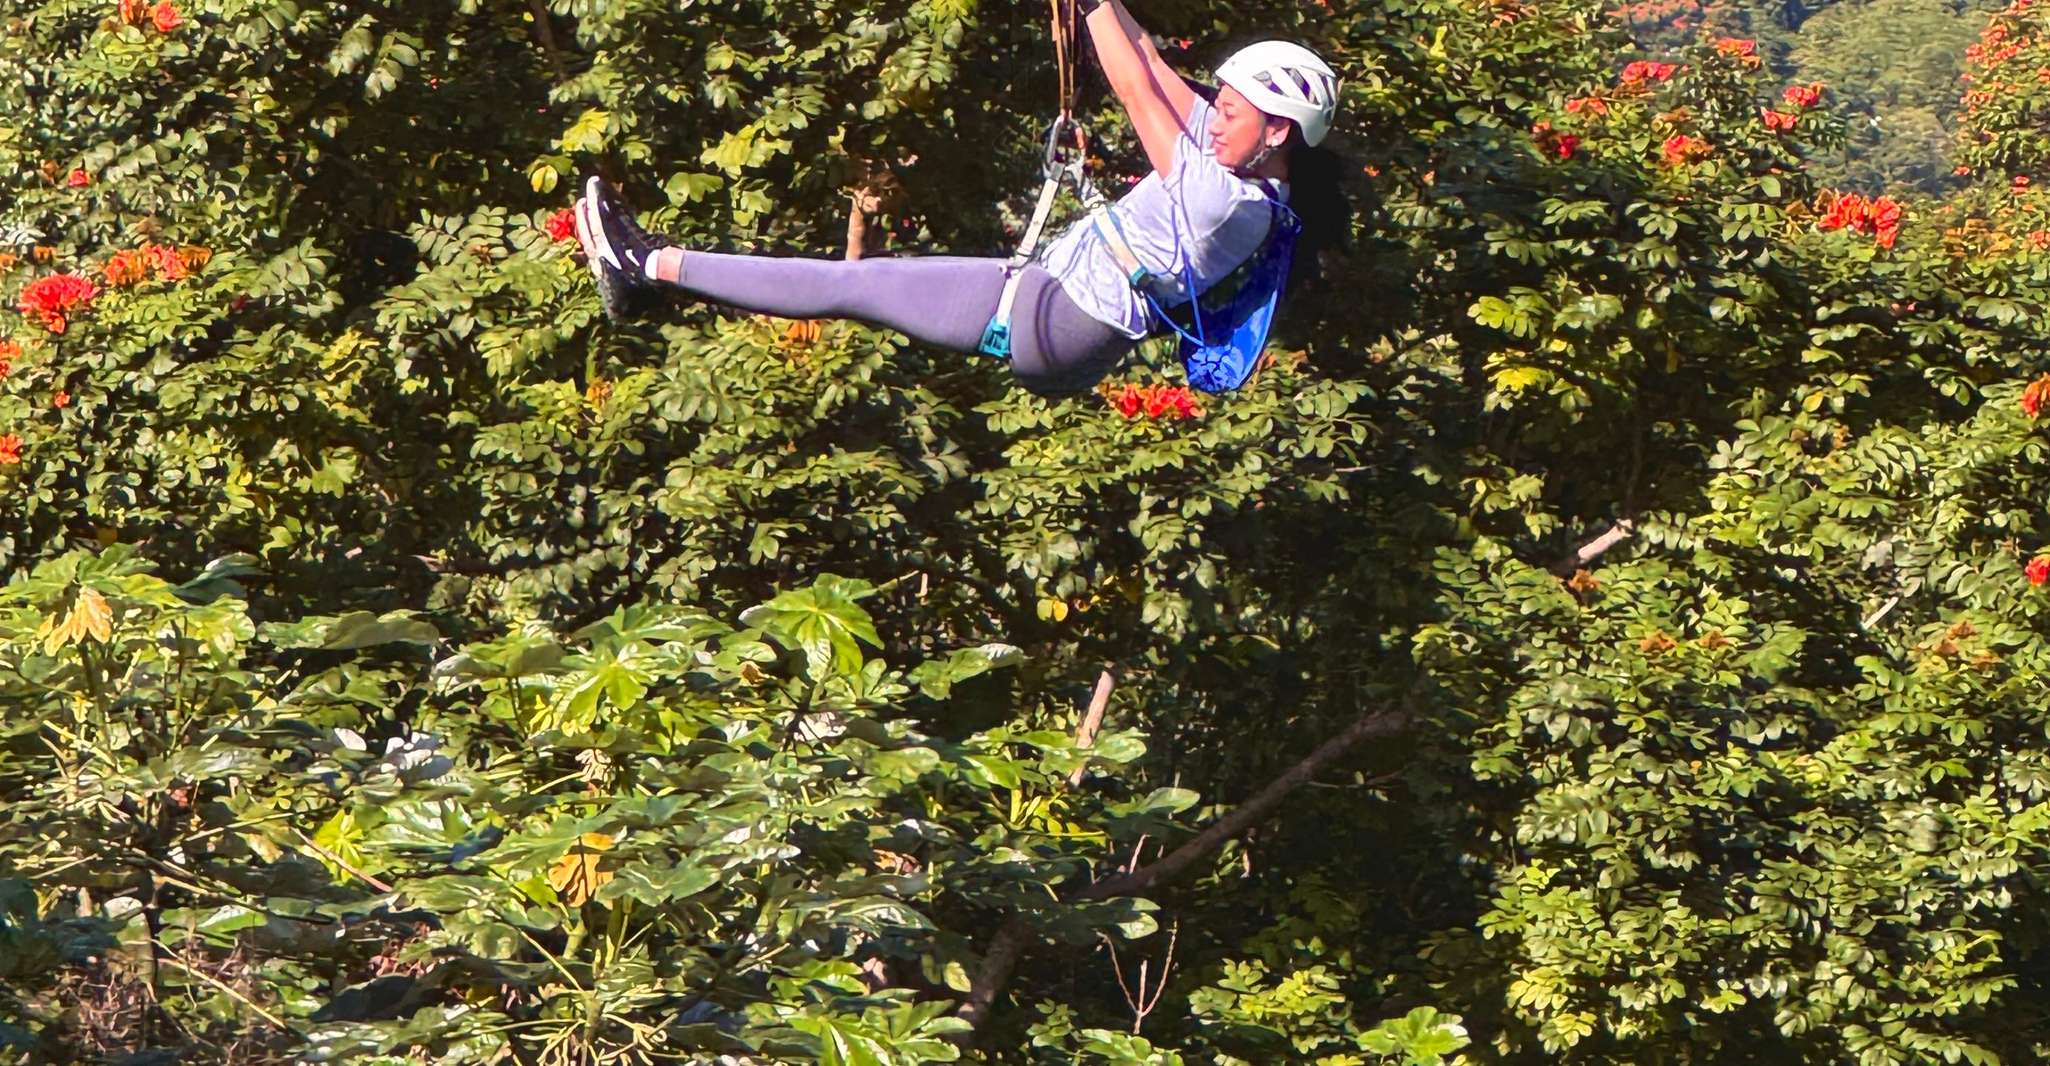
{"points": [[1287, 81]]}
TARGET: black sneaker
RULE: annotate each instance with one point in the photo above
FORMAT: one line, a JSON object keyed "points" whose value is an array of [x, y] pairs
{"points": [[619, 250]]}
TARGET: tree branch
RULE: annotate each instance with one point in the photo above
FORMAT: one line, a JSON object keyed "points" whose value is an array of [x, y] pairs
{"points": [[1009, 943], [993, 974], [1249, 813], [544, 29], [1085, 734], [1623, 530], [863, 203]]}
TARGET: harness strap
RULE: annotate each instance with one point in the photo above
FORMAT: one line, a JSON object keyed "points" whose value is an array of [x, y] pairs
{"points": [[1067, 19], [1121, 249], [996, 337], [1155, 284]]}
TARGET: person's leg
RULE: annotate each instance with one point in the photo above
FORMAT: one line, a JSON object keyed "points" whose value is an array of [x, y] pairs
{"points": [[940, 300], [1056, 347], [945, 301]]}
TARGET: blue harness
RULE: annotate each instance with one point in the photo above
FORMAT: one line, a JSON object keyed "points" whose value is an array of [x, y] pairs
{"points": [[1228, 322]]}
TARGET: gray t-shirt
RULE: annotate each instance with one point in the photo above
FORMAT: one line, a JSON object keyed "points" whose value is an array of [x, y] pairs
{"points": [[1203, 218]]}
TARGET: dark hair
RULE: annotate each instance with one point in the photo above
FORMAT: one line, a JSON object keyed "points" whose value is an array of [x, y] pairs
{"points": [[1316, 193]]}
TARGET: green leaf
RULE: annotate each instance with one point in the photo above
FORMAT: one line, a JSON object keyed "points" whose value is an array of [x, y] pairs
{"points": [[656, 885], [823, 622], [937, 677], [348, 632]]}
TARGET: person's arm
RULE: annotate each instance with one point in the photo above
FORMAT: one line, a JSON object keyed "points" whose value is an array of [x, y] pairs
{"points": [[1131, 79], [1179, 95]]}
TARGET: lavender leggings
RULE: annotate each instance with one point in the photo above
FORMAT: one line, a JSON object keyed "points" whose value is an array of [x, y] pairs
{"points": [[942, 300]]}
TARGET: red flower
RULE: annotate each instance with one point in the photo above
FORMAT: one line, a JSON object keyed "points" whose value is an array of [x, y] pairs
{"points": [[1741, 49], [1170, 401], [562, 225], [1777, 121], [1884, 216], [1155, 401], [61, 400], [1803, 95], [130, 11], [125, 268], [10, 449], [2038, 568], [2021, 181], [79, 179], [166, 17], [1879, 216], [168, 264], [49, 299], [1553, 143], [2039, 239], [1645, 70], [2034, 395], [1593, 105], [1681, 149]]}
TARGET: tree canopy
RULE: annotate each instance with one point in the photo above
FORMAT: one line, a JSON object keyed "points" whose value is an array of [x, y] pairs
{"points": [[1609, 629]]}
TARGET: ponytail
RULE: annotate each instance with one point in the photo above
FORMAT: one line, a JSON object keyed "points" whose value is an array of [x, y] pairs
{"points": [[1316, 193]]}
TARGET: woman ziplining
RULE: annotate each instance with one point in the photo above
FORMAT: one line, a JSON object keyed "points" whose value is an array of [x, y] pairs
{"points": [[1212, 220]]}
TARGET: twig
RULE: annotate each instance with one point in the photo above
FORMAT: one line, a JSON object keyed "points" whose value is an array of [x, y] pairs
{"points": [[1247, 814], [343, 863], [1141, 1006], [225, 987], [1879, 615], [1092, 721], [470, 567], [1587, 553]]}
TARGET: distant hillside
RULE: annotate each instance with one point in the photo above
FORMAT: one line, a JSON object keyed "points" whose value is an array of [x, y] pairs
{"points": [[1892, 66]]}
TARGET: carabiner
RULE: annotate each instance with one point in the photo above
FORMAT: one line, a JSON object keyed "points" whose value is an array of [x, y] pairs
{"points": [[1050, 160]]}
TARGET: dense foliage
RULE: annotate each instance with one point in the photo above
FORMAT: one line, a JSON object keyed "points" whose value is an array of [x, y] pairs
{"points": [[1634, 548]]}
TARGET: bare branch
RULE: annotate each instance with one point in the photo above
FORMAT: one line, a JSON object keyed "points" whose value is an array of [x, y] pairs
{"points": [[1009, 943], [470, 567], [1092, 721], [1623, 530], [545, 30], [1174, 933], [993, 974], [1248, 813], [1879, 615]]}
